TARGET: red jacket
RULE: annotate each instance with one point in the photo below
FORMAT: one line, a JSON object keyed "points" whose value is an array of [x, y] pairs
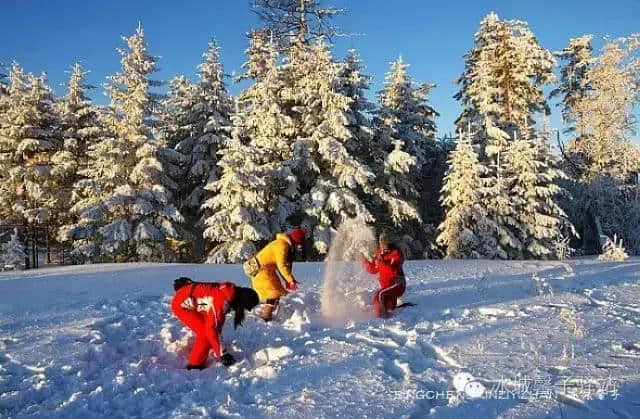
{"points": [[388, 266], [210, 300]]}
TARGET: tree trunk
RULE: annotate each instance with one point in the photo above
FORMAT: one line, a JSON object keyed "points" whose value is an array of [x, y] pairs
{"points": [[48, 244], [598, 227], [34, 250]]}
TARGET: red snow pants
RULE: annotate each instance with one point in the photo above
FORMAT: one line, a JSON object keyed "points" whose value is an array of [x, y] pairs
{"points": [[386, 299], [205, 325]]}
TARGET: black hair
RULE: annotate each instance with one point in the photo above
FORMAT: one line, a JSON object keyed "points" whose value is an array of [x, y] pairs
{"points": [[181, 282], [243, 299]]}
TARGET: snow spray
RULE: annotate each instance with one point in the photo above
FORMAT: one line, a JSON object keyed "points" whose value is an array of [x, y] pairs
{"points": [[346, 287]]}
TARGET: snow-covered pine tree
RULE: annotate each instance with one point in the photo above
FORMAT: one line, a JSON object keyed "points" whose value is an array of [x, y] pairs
{"points": [[243, 206], [252, 199], [393, 185], [259, 55], [501, 90], [80, 127], [12, 253], [179, 124], [353, 83], [404, 122], [463, 231], [497, 199], [503, 80], [601, 154], [573, 84], [131, 212], [28, 141], [330, 176], [404, 115], [197, 128], [533, 191], [394, 194]]}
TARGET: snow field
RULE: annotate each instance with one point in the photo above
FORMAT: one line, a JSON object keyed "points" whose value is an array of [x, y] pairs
{"points": [[97, 341]]}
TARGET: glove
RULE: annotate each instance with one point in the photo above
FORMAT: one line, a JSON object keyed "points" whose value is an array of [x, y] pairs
{"points": [[292, 286], [227, 359]]}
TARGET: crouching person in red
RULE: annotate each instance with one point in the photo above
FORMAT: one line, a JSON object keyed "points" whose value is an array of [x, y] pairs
{"points": [[202, 307], [387, 263]]}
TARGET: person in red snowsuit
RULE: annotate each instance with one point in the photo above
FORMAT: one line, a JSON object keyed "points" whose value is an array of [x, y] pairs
{"points": [[387, 263], [202, 307]]}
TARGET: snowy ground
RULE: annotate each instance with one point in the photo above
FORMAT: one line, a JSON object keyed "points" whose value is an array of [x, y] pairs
{"points": [[95, 341]]}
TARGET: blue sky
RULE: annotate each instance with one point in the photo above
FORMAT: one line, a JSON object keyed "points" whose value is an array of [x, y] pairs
{"points": [[431, 35]]}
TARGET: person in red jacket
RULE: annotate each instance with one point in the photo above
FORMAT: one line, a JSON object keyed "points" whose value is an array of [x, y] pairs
{"points": [[387, 263], [202, 307]]}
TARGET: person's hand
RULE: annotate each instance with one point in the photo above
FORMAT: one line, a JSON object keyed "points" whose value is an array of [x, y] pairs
{"points": [[227, 359], [292, 286]]}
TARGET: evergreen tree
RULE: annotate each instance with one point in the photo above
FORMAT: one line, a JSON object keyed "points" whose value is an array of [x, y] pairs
{"points": [[259, 55], [28, 140], [601, 155], [130, 214], [330, 176], [12, 253], [80, 127], [252, 199], [197, 127], [404, 123], [353, 83], [504, 75], [501, 90], [463, 231], [574, 85], [534, 192], [405, 116]]}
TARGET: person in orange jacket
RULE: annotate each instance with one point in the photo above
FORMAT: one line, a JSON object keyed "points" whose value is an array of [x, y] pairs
{"points": [[277, 258], [387, 263], [202, 307]]}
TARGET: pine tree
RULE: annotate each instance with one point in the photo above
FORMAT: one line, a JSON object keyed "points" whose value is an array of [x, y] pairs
{"points": [[404, 123], [80, 127], [252, 199], [534, 193], [463, 231], [601, 155], [330, 176], [130, 214], [179, 126], [28, 140], [574, 85], [243, 205], [353, 84], [197, 127], [392, 187], [216, 125], [405, 115], [501, 90], [12, 253], [503, 80], [259, 55]]}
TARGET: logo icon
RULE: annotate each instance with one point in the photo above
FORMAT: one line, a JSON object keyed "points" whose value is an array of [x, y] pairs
{"points": [[468, 386]]}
